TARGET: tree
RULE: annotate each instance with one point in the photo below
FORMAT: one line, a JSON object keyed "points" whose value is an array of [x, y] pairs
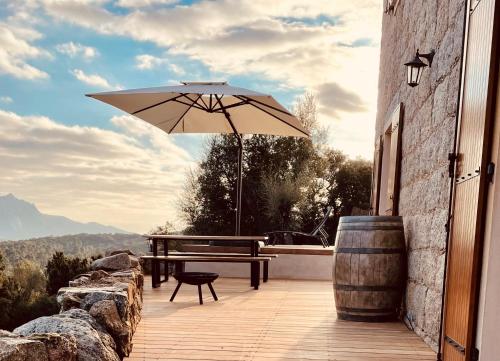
{"points": [[288, 182], [30, 281], [60, 270], [23, 297], [2, 264]]}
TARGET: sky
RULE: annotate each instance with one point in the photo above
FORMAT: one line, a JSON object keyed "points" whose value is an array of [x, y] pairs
{"points": [[74, 156]]}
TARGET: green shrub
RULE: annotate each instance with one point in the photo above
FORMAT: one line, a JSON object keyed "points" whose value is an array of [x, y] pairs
{"points": [[22, 295], [61, 269]]}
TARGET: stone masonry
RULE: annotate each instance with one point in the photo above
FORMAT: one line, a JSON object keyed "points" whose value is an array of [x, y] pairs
{"points": [[428, 134], [99, 313]]}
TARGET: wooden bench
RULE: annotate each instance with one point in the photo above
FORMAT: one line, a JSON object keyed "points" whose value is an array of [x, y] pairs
{"points": [[265, 267], [179, 260]]}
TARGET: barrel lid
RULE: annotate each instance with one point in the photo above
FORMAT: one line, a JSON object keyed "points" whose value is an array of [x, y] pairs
{"points": [[358, 219]]}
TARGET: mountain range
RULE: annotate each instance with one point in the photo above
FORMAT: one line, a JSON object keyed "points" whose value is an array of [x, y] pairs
{"points": [[22, 220]]}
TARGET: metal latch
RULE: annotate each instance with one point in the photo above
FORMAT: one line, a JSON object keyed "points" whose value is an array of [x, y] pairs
{"points": [[452, 157], [474, 354], [490, 171]]}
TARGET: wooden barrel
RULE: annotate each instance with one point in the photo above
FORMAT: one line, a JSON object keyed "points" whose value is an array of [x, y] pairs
{"points": [[369, 268]]}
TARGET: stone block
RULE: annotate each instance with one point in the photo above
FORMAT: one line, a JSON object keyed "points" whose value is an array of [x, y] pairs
{"points": [[91, 345], [112, 263]]}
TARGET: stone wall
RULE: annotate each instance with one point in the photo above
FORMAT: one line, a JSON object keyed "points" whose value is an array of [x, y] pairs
{"points": [[99, 313], [427, 138]]}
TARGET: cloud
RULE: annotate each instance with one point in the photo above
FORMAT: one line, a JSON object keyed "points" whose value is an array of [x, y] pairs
{"points": [[295, 44], [92, 79], [6, 100], [75, 49], [130, 179], [143, 3], [299, 45], [334, 99], [147, 62], [16, 49]]}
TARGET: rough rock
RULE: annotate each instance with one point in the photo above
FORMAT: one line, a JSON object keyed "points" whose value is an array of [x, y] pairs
{"points": [[69, 302], [134, 261], [97, 275], [21, 349], [58, 347], [100, 312], [112, 263], [106, 313], [118, 251], [92, 343]]}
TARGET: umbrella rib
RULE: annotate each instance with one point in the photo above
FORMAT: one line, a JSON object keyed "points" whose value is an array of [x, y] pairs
{"points": [[263, 104], [183, 114], [157, 104], [228, 117], [232, 105], [276, 117], [205, 104], [197, 106]]}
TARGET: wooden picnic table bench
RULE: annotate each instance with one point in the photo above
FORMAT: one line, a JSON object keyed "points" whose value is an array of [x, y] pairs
{"points": [[178, 258]]}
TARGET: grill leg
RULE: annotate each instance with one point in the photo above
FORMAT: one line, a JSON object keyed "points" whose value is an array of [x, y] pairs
{"points": [[212, 290], [199, 294], [175, 292], [266, 271]]}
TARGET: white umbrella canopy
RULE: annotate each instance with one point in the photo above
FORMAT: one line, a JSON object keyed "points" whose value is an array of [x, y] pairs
{"points": [[201, 108], [208, 107]]}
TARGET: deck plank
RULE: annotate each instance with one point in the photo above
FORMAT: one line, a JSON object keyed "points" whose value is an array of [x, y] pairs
{"points": [[284, 320]]}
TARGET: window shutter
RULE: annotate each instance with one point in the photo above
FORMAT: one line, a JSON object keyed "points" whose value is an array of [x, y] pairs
{"points": [[376, 174], [393, 175]]}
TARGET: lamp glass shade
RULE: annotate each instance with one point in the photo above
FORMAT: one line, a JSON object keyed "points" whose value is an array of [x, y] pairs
{"points": [[414, 75], [415, 69]]}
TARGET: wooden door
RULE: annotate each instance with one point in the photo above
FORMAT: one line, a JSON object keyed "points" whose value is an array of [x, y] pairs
{"points": [[376, 174], [470, 182], [393, 169]]}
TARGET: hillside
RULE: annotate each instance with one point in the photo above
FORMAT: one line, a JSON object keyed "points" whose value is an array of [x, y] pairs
{"points": [[40, 250], [22, 220]]}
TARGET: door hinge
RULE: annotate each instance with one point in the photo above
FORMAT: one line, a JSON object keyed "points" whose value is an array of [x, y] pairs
{"points": [[490, 171], [455, 344], [452, 158], [474, 354], [448, 223]]}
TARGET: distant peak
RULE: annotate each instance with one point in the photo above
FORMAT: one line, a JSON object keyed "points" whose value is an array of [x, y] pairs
{"points": [[9, 196]]}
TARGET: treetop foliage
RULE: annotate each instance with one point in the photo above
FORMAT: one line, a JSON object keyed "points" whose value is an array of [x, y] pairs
{"points": [[288, 182]]}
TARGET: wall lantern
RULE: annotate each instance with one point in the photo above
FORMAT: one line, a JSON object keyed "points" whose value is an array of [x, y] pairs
{"points": [[416, 67]]}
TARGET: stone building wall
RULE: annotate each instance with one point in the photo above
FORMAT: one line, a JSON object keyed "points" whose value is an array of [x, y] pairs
{"points": [[427, 138]]}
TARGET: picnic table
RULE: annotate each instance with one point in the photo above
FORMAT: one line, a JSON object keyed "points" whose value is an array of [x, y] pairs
{"points": [[179, 258]]}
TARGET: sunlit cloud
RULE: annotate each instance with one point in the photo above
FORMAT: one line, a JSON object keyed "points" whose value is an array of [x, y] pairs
{"points": [[129, 178], [305, 46], [6, 99], [16, 49], [73, 50], [147, 62], [92, 79], [144, 3]]}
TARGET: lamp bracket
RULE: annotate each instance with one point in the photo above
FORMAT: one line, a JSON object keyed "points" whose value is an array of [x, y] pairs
{"points": [[428, 56]]}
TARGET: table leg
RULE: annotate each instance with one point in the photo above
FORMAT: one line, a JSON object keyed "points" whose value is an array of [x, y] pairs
{"points": [[179, 266], [255, 269], [265, 271], [155, 273], [165, 253]]}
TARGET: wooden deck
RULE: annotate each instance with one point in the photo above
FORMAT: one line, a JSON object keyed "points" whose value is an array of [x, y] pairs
{"points": [[284, 320]]}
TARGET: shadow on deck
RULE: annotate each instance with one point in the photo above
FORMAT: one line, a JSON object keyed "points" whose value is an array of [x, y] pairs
{"points": [[283, 320]]}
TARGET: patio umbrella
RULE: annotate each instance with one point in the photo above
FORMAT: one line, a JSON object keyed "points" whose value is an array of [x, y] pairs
{"points": [[208, 107]]}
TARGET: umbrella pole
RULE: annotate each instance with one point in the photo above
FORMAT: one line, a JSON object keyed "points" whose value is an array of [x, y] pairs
{"points": [[239, 185], [239, 181]]}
